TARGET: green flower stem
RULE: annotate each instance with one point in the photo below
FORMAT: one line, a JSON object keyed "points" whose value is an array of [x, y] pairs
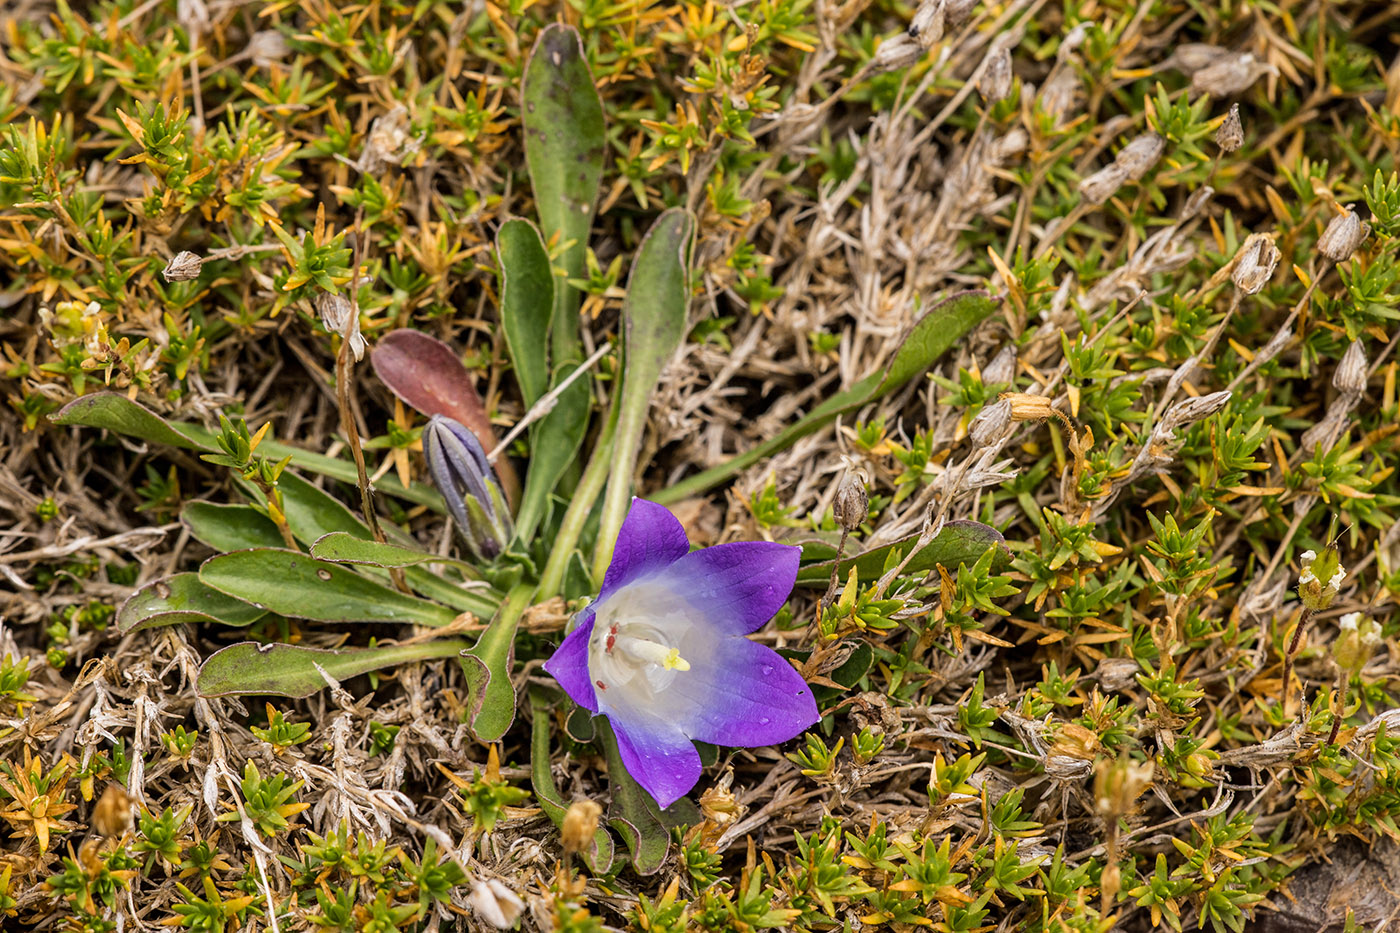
{"points": [[580, 505]]}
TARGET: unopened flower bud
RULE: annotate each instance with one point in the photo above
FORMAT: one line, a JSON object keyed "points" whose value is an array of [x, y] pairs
{"points": [[183, 267], [1026, 407], [580, 825], [1118, 783], [1321, 578], [1230, 135], [1350, 377], [851, 507], [1258, 258], [336, 313], [1356, 641], [1343, 235], [1230, 74], [1139, 155], [995, 83], [1103, 184], [460, 471], [495, 903]]}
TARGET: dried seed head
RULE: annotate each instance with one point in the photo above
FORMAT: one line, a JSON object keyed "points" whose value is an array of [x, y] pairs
{"points": [[851, 506], [956, 12], [1115, 674], [1230, 74], [1350, 377], [1103, 184], [1230, 136], [495, 903], [1255, 263], [995, 83], [1072, 41], [1138, 156], [1060, 95], [336, 315], [388, 142], [193, 16], [580, 825], [184, 267], [1342, 236], [1198, 200], [1026, 407], [267, 47], [927, 23]]}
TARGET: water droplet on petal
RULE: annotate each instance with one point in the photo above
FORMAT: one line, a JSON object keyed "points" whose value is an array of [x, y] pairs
{"points": [[767, 669], [764, 720]]}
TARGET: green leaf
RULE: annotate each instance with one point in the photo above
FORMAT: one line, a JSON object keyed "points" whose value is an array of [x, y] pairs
{"points": [[602, 853], [291, 670], [182, 598], [564, 149], [930, 338], [229, 527], [120, 414], [960, 542], [554, 444], [342, 548], [653, 314], [527, 300], [292, 584], [487, 669]]}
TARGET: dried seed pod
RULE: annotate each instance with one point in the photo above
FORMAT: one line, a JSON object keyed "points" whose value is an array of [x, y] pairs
{"points": [[580, 825], [1230, 74], [184, 267], [995, 83], [1119, 783], [1193, 56], [897, 52], [267, 47], [336, 313], [956, 12], [495, 903], [851, 506], [927, 23], [991, 423], [1350, 377], [1230, 135], [112, 815], [1139, 155], [1256, 262], [1342, 236], [1025, 407], [1072, 41], [1103, 184]]}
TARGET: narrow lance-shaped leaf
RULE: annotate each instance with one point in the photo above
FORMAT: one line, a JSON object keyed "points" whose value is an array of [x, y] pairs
{"points": [[601, 854], [527, 300], [960, 542], [929, 339], [564, 149], [554, 446], [653, 315], [295, 585], [292, 671], [120, 414], [226, 527]]}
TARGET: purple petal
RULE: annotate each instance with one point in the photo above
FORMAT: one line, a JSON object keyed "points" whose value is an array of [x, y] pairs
{"points": [[569, 664], [743, 695], [651, 538], [738, 586], [656, 753]]}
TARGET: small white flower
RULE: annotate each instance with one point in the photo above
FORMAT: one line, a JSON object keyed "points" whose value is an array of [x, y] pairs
{"points": [[1348, 622]]}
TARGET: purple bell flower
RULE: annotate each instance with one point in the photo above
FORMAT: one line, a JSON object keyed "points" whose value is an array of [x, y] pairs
{"points": [[662, 654]]}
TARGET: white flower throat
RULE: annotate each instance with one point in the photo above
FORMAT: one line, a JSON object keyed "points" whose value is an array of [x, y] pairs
{"points": [[639, 641]]}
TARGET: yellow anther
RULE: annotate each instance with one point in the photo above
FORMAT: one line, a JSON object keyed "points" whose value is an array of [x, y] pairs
{"points": [[674, 661]]}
